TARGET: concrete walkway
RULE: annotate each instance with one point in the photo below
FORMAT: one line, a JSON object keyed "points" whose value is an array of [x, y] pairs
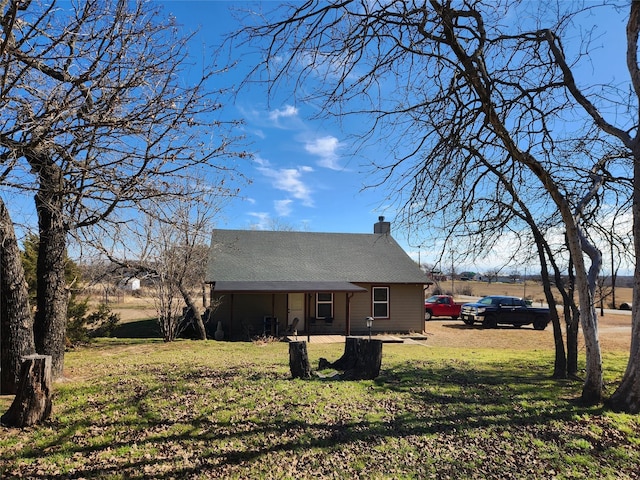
{"points": [[316, 339]]}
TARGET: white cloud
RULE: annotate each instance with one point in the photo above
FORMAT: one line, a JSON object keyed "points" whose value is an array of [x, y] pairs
{"points": [[262, 220], [285, 118], [288, 180], [262, 162], [328, 66], [283, 207], [288, 111], [259, 133], [326, 148]]}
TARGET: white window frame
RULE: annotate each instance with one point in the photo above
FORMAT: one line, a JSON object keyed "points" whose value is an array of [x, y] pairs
{"points": [[385, 302], [324, 302]]}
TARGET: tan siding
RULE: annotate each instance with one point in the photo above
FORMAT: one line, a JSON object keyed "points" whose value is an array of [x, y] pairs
{"points": [[360, 309], [406, 305], [407, 308]]}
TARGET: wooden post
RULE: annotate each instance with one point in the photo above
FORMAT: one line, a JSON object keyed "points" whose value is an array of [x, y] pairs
{"points": [[32, 403], [299, 360]]}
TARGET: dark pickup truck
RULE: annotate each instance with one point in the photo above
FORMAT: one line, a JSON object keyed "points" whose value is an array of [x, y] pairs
{"points": [[494, 310]]}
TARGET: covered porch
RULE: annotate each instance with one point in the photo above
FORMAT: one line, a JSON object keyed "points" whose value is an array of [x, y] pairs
{"points": [[326, 339], [282, 308]]}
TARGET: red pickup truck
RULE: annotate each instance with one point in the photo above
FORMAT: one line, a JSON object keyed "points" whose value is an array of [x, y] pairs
{"points": [[441, 306]]}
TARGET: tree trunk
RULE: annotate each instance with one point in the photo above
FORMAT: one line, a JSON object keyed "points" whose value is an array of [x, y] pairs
{"points": [[572, 321], [593, 388], [578, 244], [348, 358], [51, 315], [626, 398], [299, 360], [368, 361], [361, 360], [32, 403], [197, 314], [16, 322], [572, 325], [560, 363]]}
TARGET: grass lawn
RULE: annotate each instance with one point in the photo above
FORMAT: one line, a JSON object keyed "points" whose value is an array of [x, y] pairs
{"points": [[146, 409]]}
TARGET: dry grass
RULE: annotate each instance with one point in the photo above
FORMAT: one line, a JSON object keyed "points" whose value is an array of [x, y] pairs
{"points": [[529, 289], [614, 326], [614, 329]]}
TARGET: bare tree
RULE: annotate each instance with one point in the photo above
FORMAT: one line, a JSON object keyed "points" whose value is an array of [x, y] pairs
{"points": [[170, 246], [455, 87], [176, 254], [16, 321], [118, 117]]}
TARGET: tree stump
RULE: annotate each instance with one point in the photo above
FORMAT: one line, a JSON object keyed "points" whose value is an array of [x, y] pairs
{"points": [[32, 403], [361, 360], [368, 361], [299, 360]]}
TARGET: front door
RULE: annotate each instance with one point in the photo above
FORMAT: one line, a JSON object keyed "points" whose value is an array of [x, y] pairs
{"points": [[296, 310]]}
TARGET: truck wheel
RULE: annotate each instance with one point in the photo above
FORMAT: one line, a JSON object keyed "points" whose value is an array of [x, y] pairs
{"points": [[468, 322], [428, 315], [490, 322], [540, 323]]}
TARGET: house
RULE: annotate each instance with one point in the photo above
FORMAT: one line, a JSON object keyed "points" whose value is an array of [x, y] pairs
{"points": [[131, 284], [271, 282]]}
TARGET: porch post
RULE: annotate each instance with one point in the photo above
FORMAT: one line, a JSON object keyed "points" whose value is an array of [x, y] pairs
{"points": [[274, 322], [232, 323], [347, 323]]}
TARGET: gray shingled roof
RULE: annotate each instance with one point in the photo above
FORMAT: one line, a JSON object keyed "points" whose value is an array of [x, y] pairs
{"points": [[260, 257]]}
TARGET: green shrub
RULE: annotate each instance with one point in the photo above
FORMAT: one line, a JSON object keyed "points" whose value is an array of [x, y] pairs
{"points": [[103, 321], [76, 330], [82, 327]]}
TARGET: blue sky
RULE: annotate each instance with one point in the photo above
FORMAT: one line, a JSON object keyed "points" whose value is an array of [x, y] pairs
{"points": [[307, 174], [304, 174]]}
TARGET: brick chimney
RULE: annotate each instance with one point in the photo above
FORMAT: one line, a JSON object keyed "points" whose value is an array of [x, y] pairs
{"points": [[382, 227]]}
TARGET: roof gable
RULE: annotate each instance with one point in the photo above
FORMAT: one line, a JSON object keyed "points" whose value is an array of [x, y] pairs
{"points": [[280, 256]]}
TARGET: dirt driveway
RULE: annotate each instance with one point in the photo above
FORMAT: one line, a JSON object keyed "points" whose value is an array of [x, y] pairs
{"points": [[614, 330]]}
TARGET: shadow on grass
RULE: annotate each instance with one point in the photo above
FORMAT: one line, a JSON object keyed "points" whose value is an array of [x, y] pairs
{"points": [[138, 329], [479, 326], [410, 400]]}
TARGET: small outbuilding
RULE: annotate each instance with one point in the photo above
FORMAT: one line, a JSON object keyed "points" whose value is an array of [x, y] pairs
{"points": [[131, 284], [277, 282]]}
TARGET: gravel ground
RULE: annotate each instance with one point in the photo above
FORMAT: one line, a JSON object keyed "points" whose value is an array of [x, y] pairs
{"points": [[614, 330]]}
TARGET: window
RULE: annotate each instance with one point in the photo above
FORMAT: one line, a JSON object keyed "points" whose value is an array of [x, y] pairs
{"points": [[380, 302], [324, 305]]}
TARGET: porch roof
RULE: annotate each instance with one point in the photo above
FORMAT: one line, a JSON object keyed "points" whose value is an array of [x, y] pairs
{"points": [[284, 287]]}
